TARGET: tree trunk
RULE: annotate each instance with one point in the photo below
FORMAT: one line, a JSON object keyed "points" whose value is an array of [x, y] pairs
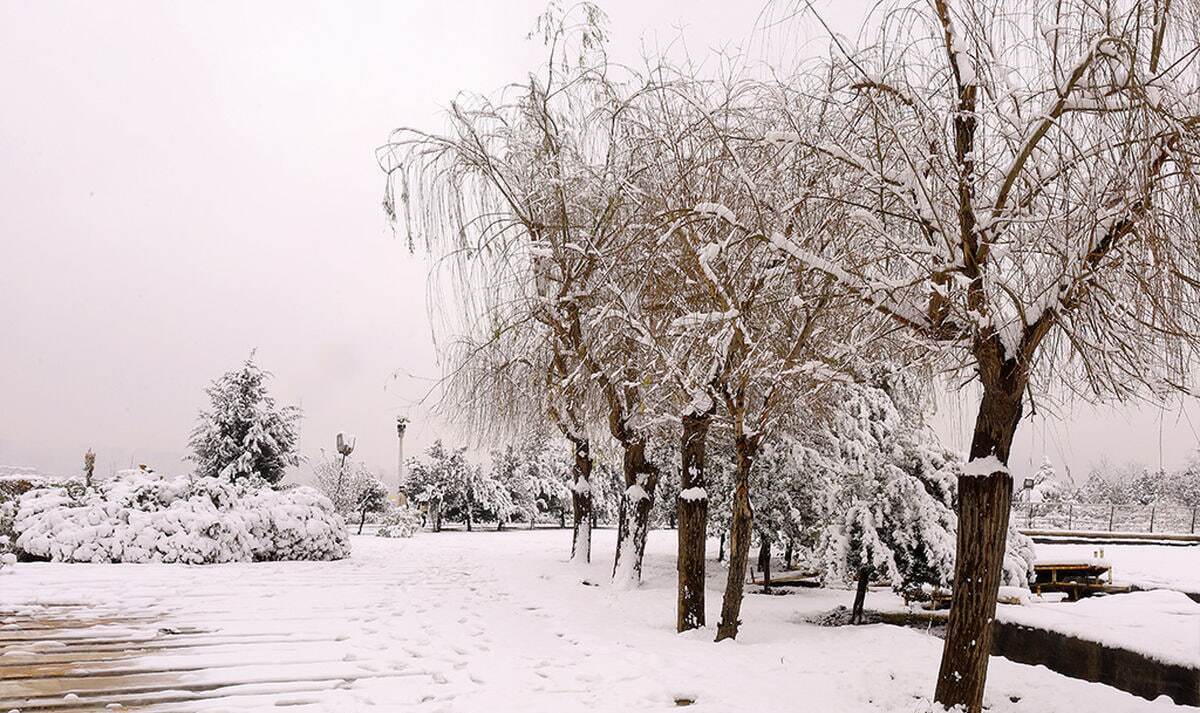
{"points": [[983, 504], [470, 503], [633, 525], [721, 548], [739, 538], [764, 558], [860, 596], [362, 521], [787, 555], [692, 508], [581, 503]]}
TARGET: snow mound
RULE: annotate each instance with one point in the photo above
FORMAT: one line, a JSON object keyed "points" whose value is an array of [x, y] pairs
{"points": [[148, 518]]}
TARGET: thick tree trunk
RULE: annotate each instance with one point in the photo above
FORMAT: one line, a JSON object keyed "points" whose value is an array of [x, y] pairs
{"points": [[739, 539], [634, 522], [581, 503], [983, 508], [692, 508], [764, 558]]}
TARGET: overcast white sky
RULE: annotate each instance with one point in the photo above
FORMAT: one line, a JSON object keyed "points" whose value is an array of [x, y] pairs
{"points": [[183, 183]]}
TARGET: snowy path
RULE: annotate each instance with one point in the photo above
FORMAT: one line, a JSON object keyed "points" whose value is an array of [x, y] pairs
{"points": [[456, 622]]}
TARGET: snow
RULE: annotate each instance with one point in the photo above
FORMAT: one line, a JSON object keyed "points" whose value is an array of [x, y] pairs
{"points": [[466, 622], [718, 210], [1146, 566], [984, 467], [635, 493], [1162, 624], [144, 517], [693, 494]]}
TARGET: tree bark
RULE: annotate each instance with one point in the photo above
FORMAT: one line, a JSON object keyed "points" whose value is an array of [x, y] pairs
{"points": [[641, 478], [692, 509], [362, 521], [721, 548], [860, 596], [983, 503], [739, 538], [581, 503], [764, 558]]}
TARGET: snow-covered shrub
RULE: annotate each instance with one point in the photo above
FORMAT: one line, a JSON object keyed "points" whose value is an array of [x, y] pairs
{"points": [[400, 522], [194, 521]]}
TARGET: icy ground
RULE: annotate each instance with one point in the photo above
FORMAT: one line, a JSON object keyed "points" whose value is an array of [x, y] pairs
{"points": [[472, 622]]}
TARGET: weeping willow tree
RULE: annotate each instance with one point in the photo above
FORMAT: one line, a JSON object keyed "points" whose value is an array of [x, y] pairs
{"points": [[1020, 182], [527, 198]]}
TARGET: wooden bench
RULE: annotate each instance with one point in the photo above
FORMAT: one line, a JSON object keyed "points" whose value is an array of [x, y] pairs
{"points": [[1076, 578]]}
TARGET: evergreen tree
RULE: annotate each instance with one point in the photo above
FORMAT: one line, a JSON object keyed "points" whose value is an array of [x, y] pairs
{"points": [[243, 434], [892, 507], [371, 496]]}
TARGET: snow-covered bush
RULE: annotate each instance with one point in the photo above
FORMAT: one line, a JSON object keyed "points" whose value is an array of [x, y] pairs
{"points": [[399, 522], [193, 521]]}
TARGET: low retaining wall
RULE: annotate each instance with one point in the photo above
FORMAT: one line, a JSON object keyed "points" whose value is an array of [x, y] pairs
{"points": [[1092, 661]]}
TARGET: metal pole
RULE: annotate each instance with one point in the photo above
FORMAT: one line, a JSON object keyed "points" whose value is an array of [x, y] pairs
{"points": [[401, 425]]}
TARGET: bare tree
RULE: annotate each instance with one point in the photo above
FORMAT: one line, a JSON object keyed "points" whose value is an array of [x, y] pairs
{"points": [[1018, 180], [528, 195]]}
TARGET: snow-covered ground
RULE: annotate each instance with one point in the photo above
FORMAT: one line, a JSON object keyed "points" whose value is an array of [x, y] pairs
{"points": [[464, 622]]}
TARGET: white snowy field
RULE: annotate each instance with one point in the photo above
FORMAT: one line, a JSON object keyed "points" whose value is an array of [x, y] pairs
{"points": [[466, 622]]}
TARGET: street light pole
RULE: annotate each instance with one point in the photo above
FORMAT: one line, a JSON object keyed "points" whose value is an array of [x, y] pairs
{"points": [[401, 495]]}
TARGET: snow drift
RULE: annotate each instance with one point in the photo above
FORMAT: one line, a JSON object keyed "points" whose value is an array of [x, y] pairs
{"points": [[147, 518]]}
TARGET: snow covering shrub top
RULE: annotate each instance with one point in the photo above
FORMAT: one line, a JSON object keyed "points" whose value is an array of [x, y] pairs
{"points": [[401, 521], [148, 518], [243, 435]]}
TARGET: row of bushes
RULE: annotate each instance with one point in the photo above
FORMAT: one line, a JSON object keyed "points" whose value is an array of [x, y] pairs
{"points": [[143, 517]]}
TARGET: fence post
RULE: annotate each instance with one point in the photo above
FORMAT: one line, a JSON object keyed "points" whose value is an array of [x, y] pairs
{"points": [[1152, 509], [1112, 511]]}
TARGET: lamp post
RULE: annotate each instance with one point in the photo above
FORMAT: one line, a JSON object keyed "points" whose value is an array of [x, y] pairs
{"points": [[401, 495]]}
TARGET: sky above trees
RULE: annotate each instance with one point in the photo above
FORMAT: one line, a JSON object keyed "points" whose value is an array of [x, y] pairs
{"points": [[180, 185]]}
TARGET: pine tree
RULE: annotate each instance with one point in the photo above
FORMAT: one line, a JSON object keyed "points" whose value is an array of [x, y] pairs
{"points": [[892, 511], [242, 434]]}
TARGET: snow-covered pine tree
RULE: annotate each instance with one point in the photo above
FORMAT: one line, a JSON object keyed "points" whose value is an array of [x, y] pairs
{"points": [[243, 434], [892, 506], [789, 497], [1047, 488]]}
